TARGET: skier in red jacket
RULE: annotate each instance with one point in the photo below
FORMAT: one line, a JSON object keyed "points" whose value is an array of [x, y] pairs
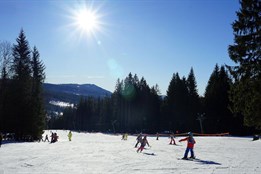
{"points": [[191, 141]]}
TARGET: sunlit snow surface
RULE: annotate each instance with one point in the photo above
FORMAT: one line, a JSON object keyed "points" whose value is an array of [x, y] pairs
{"points": [[61, 104], [90, 153]]}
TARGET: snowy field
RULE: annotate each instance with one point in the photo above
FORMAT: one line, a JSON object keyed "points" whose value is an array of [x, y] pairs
{"points": [[90, 153]]}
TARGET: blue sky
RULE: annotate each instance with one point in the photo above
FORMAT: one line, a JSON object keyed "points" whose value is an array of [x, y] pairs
{"points": [[150, 38]]}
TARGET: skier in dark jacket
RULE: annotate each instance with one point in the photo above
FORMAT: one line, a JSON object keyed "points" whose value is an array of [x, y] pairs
{"points": [[46, 138], [139, 139], [54, 137]]}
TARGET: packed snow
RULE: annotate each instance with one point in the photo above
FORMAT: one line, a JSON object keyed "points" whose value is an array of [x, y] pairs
{"points": [[92, 153]]}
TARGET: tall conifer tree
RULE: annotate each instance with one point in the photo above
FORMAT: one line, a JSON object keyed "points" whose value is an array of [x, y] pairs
{"points": [[37, 95], [177, 104], [22, 113], [246, 53], [193, 100], [5, 63], [218, 117]]}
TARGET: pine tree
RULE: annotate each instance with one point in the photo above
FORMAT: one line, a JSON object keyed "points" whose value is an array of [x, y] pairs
{"points": [[177, 104], [170, 106], [193, 100], [22, 87], [38, 77], [246, 53], [135, 105], [5, 63], [218, 116], [27, 117], [154, 108], [117, 106], [210, 101]]}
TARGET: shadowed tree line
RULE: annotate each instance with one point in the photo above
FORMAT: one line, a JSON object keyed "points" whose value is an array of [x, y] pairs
{"points": [[22, 74], [136, 107]]}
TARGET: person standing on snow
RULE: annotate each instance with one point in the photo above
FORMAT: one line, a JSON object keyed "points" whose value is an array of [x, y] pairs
{"points": [[190, 146], [143, 144], [139, 139], [172, 140], [157, 136], [46, 138], [54, 137], [70, 136]]}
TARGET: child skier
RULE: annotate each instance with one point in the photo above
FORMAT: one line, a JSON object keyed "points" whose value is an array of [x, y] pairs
{"points": [[139, 139], [172, 139], [70, 136], [143, 144], [190, 146]]}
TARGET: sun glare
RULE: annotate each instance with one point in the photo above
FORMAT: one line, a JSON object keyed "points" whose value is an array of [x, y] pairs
{"points": [[87, 20]]}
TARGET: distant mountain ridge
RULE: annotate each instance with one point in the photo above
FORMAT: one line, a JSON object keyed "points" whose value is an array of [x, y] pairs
{"points": [[70, 93], [77, 89]]}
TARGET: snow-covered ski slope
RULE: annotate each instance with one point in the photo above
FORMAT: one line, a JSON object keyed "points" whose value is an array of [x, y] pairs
{"points": [[92, 153]]}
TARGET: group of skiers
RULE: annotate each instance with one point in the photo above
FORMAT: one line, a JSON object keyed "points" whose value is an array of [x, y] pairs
{"points": [[143, 142], [54, 137], [190, 144]]}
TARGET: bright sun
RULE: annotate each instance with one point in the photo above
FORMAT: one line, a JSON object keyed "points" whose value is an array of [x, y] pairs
{"points": [[87, 21]]}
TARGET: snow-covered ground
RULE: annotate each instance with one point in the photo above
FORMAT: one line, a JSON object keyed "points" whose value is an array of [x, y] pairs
{"points": [[91, 153]]}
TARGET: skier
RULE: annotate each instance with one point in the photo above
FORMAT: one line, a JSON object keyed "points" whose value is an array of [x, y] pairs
{"points": [[54, 137], [70, 136], [157, 136], [46, 138], [172, 140], [124, 136], [190, 145], [143, 144], [139, 139]]}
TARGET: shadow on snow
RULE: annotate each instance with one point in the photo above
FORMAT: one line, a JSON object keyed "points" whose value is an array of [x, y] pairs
{"points": [[206, 162]]}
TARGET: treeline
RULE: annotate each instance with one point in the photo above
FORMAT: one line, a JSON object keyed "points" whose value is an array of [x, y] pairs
{"points": [[136, 107], [22, 74]]}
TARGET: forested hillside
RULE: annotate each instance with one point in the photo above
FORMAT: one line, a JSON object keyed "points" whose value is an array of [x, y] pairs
{"points": [[58, 96]]}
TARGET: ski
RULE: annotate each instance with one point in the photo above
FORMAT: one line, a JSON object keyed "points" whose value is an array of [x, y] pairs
{"points": [[188, 159]]}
